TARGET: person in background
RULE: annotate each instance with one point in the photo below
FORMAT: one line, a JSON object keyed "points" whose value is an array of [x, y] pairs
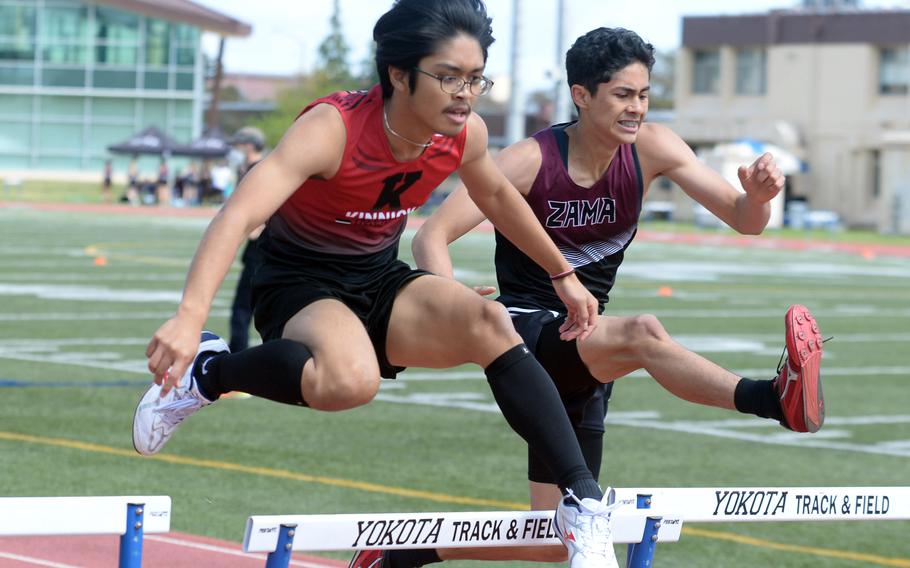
{"points": [[222, 181], [249, 143], [107, 181], [162, 185], [186, 188], [133, 195]]}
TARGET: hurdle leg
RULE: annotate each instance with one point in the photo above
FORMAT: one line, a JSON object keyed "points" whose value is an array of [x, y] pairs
{"points": [[281, 557], [131, 539], [634, 552], [641, 555]]}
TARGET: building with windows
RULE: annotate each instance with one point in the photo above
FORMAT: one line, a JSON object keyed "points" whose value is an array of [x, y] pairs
{"points": [[830, 85], [79, 75]]}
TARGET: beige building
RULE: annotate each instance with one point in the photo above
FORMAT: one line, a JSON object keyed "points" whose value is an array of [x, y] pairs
{"points": [[833, 88]]}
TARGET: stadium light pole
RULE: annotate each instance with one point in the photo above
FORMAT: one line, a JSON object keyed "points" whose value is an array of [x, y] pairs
{"points": [[515, 125]]}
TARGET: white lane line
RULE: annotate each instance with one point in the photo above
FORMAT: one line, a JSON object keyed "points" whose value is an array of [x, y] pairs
{"points": [[229, 551], [35, 561]]}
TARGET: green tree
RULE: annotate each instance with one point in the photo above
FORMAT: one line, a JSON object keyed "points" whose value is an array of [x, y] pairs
{"points": [[334, 50], [663, 77], [367, 75], [332, 73]]}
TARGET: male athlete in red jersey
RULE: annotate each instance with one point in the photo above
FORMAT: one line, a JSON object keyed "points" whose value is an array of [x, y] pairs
{"points": [[335, 307]]}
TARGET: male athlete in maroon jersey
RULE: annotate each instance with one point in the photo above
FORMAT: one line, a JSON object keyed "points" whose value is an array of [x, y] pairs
{"points": [[585, 182], [335, 307]]}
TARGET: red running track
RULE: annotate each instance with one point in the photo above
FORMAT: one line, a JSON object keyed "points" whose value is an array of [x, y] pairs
{"points": [[170, 550]]}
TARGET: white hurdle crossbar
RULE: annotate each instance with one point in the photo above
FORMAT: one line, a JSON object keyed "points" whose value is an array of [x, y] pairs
{"points": [[773, 504], [127, 516], [634, 522]]}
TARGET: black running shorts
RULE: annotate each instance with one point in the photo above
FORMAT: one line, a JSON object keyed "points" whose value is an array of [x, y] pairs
{"points": [[366, 284], [584, 397]]}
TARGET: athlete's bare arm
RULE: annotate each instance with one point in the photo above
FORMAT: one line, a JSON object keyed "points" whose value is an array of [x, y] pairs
{"points": [[663, 152], [458, 214], [312, 146], [504, 206]]}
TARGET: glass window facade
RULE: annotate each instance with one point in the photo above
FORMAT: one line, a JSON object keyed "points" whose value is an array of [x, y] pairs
{"points": [[706, 71], [751, 71], [894, 71], [78, 76], [17, 32]]}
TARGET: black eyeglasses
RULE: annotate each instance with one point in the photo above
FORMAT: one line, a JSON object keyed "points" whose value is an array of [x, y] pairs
{"points": [[453, 85]]}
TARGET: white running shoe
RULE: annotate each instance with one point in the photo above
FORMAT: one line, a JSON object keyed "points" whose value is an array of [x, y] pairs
{"points": [[158, 416], [585, 527]]}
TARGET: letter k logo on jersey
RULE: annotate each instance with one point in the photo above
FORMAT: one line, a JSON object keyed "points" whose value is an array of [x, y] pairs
{"points": [[393, 187]]}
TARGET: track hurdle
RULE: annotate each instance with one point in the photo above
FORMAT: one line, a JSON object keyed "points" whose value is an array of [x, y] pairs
{"points": [[645, 517], [776, 504], [127, 516], [279, 535]]}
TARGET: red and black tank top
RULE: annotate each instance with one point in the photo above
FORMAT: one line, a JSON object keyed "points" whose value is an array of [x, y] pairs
{"points": [[363, 209], [591, 226]]}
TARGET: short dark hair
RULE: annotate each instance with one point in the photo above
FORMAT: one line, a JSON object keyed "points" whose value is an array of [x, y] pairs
{"points": [[249, 135], [413, 29], [595, 56]]}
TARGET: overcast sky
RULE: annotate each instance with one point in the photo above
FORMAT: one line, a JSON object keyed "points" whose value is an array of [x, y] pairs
{"points": [[286, 34]]}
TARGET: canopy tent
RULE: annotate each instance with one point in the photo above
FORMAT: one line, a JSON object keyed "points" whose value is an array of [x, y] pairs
{"points": [[727, 157], [149, 141], [787, 161], [212, 144]]}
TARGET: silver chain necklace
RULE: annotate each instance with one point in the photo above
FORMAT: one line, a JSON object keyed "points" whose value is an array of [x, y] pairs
{"points": [[385, 120]]}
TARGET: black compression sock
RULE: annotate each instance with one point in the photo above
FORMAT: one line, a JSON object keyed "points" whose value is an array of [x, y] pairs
{"points": [[758, 398], [531, 405], [586, 488], [410, 558], [272, 370], [203, 375]]}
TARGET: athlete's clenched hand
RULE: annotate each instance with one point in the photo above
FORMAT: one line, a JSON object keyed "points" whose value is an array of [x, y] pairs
{"points": [[581, 308], [171, 351]]}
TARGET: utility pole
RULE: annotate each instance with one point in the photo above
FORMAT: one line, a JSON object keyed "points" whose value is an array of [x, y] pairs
{"points": [[212, 119], [561, 112], [515, 125]]}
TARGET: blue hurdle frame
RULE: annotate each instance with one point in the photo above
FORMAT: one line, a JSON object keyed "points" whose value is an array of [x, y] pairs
{"points": [[641, 554], [131, 539]]}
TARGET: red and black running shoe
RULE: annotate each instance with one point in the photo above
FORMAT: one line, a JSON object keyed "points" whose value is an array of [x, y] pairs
{"points": [[798, 384], [367, 559]]}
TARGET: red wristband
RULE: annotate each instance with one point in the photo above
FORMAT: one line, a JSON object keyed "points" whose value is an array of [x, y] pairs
{"points": [[562, 274]]}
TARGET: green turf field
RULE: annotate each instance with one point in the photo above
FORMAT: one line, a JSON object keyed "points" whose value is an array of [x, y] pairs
{"points": [[73, 334]]}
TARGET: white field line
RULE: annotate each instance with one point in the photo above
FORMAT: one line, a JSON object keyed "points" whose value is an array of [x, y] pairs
{"points": [[49, 351], [840, 312], [132, 275], [472, 401], [827, 371], [104, 316], [837, 311], [707, 428], [700, 339], [40, 352]]}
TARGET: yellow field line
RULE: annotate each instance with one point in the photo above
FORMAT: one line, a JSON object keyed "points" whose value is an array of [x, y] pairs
{"points": [[267, 472], [825, 552], [431, 496]]}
